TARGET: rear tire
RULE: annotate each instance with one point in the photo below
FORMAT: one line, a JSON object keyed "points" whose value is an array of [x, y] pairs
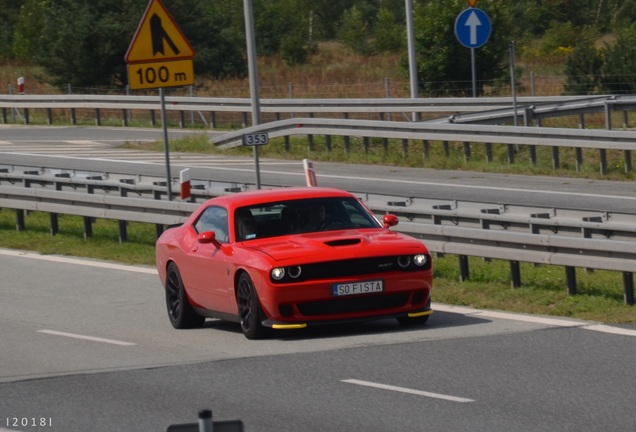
{"points": [[180, 311], [249, 309]]}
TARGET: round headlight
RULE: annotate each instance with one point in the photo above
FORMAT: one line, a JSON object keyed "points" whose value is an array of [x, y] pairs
{"points": [[295, 271], [278, 273], [404, 261], [420, 260]]}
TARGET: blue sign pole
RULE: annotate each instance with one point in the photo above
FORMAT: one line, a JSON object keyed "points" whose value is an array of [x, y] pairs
{"points": [[472, 29]]}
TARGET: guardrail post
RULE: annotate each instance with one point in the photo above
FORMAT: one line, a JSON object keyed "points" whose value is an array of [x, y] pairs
{"points": [[153, 120], [628, 161], [608, 126], [426, 148], [488, 152], [347, 140], [511, 154], [98, 117], [49, 116], [26, 116], [123, 225], [19, 220], [446, 149], [556, 158], [310, 138], [603, 161], [515, 274], [54, 217], [4, 115], [365, 144], [385, 141], [570, 280], [405, 148], [124, 117], [466, 151], [628, 288], [464, 270], [328, 143]]}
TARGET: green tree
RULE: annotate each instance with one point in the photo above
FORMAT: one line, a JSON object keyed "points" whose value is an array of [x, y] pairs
{"points": [[443, 63], [583, 68], [28, 29], [354, 32], [619, 66], [9, 11], [389, 31], [84, 43]]}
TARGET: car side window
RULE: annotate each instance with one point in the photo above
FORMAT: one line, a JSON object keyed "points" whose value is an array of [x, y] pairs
{"points": [[213, 219]]}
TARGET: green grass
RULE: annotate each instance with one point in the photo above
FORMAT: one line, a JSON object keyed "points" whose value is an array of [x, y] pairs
{"points": [[542, 292], [393, 154]]}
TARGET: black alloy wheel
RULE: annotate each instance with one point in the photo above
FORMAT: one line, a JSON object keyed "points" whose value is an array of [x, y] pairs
{"points": [[180, 311], [249, 309]]}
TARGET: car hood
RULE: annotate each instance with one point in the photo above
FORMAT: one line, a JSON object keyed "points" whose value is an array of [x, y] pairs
{"points": [[335, 245]]}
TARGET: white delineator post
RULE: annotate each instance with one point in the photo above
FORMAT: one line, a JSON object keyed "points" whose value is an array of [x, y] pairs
{"points": [[310, 174], [185, 180]]}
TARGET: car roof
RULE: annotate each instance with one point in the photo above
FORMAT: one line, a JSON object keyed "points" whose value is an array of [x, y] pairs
{"points": [[273, 195]]}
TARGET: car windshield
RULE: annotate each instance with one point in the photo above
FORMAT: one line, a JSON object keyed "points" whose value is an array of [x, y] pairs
{"points": [[301, 216]]}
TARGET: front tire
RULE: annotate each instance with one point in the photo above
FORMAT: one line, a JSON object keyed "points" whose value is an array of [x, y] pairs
{"points": [[249, 309], [180, 311]]}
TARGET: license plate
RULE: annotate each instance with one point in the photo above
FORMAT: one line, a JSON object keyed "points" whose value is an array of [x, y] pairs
{"points": [[354, 288]]}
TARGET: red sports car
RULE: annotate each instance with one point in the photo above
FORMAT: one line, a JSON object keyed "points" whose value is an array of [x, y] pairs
{"points": [[290, 258]]}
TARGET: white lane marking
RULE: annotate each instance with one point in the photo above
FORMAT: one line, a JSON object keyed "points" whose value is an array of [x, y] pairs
{"points": [[89, 338], [612, 330], [407, 390], [555, 322], [76, 261]]}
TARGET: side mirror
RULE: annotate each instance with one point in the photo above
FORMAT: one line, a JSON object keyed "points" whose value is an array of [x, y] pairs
{"points": [[390, 220], [208, 237]]}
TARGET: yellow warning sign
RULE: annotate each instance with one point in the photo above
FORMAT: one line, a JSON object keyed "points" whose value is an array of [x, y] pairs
{"points": [[158, 38]]}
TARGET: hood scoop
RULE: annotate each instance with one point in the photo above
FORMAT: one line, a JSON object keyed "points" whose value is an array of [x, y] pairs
{"points": [[343, 242]]}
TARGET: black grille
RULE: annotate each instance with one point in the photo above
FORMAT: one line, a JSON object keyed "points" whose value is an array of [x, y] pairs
{"points": [[354, 304]]}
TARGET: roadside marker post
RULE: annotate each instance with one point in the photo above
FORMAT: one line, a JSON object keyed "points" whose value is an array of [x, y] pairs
{"points": [[310, 174], [186, 186]]}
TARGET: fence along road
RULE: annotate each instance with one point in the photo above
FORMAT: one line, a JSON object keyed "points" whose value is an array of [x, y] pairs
{"points": [[538, 235], [456, 127]]}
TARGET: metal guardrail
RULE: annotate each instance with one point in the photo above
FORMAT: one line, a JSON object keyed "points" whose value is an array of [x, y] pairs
{"points": [[601, 140], [560, 237], [541, 136], [208, 104], [471, 120]]}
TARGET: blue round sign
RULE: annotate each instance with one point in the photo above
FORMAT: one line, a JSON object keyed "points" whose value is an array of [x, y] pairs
{"points": [[472, 28]]}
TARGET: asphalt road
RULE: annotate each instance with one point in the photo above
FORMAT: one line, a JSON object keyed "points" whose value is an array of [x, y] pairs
{"points": [[87, 346], [100, 144]]}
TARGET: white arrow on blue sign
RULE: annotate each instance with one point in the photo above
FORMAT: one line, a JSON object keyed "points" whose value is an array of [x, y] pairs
{"points": [[472, 28]]}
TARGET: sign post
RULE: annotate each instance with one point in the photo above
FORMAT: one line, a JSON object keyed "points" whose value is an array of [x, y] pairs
{"points": [[160, 56], [472, 29]]}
